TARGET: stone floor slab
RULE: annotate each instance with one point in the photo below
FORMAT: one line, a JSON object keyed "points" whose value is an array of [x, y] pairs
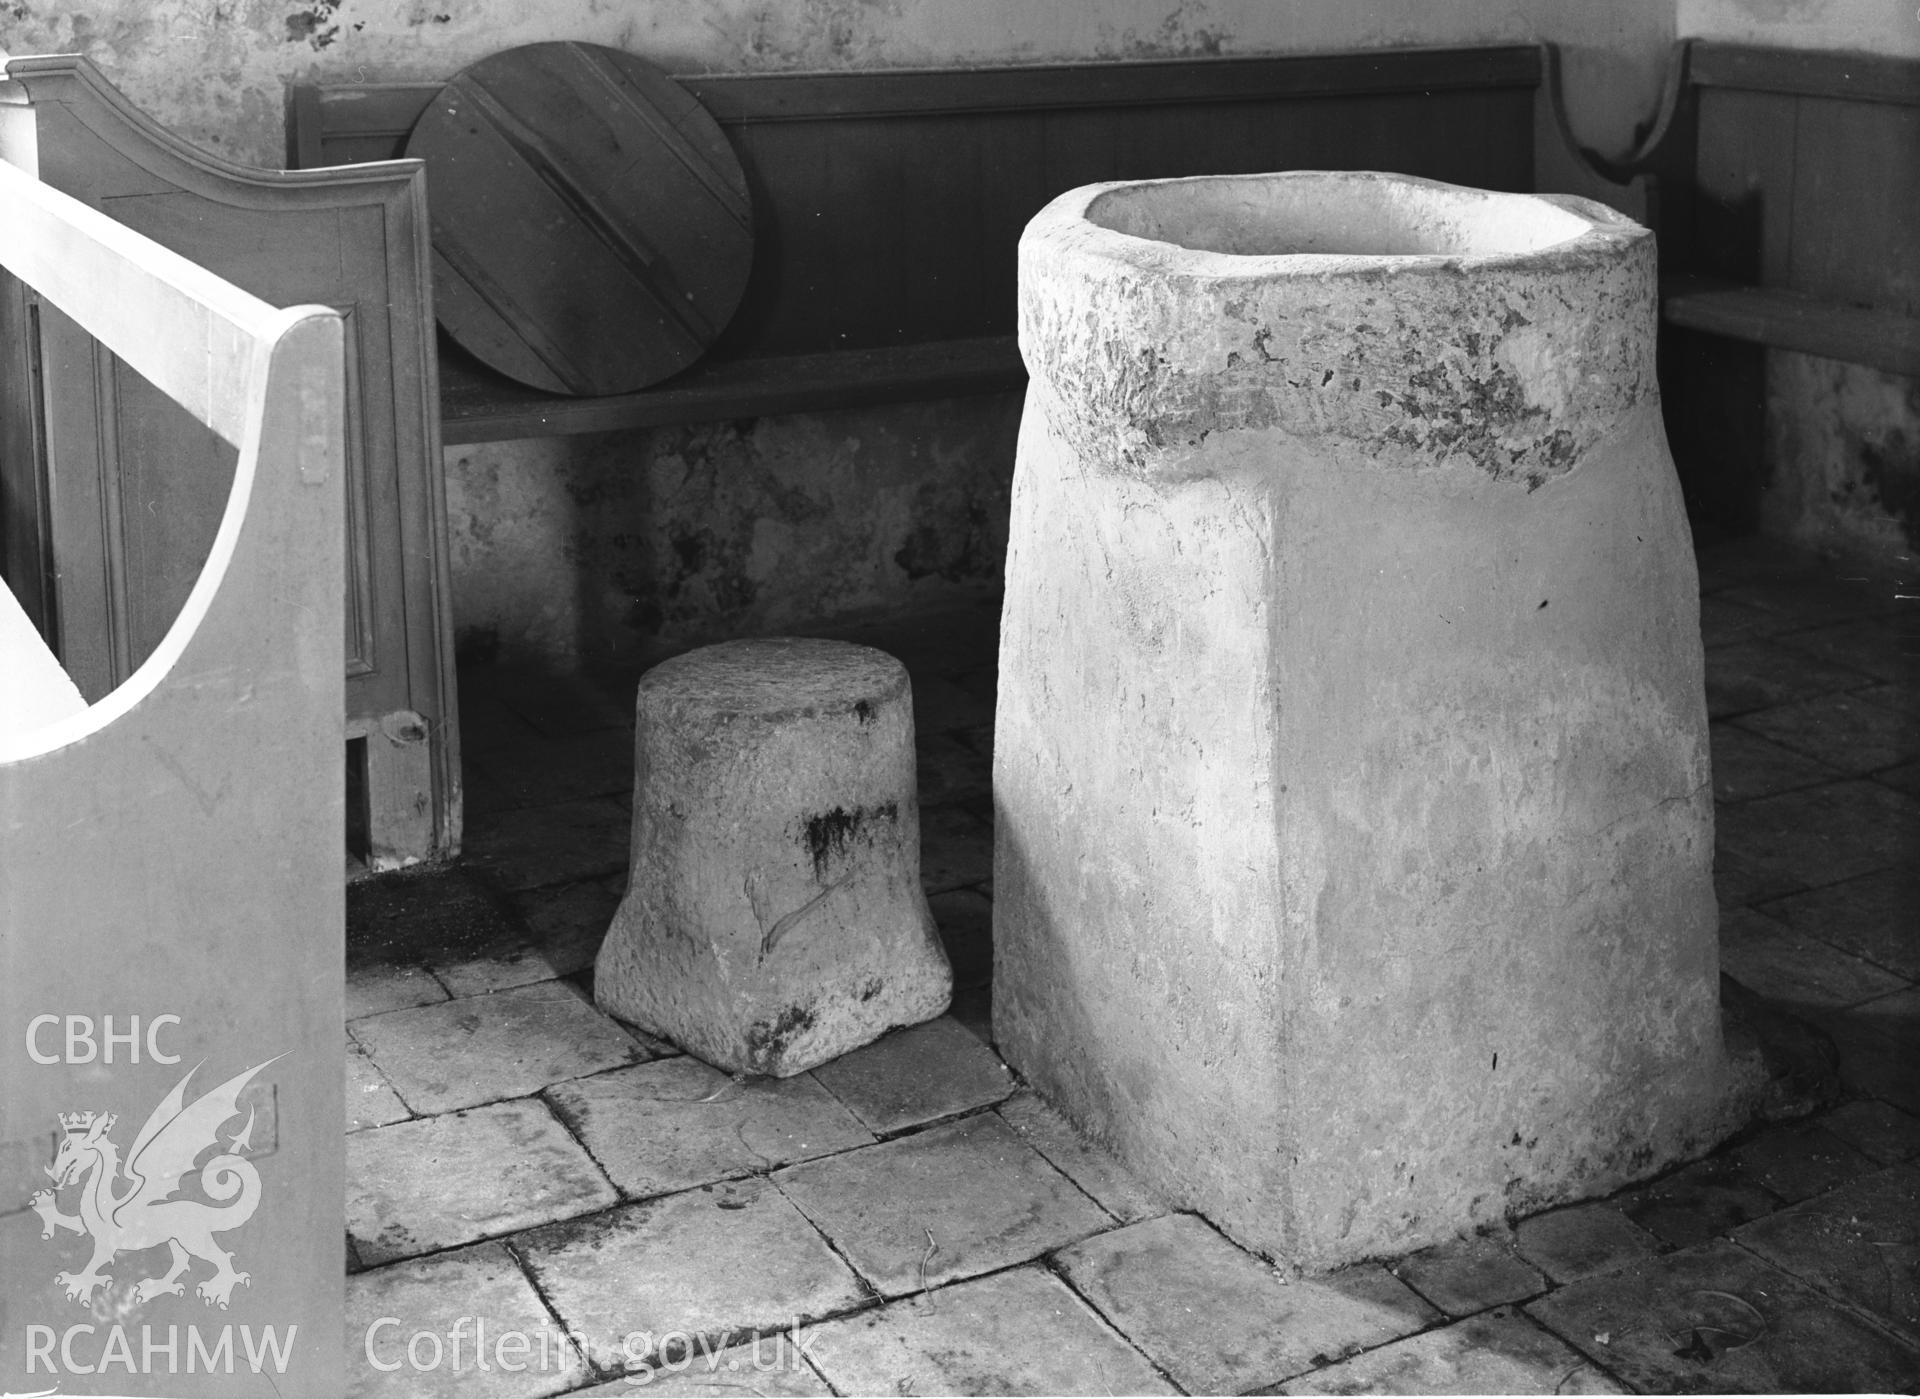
{"points": [[712, 1262], [1754, 675], [1738, 881], [1860, 1243], [956, 849], [442, 1181], [546, 845], [1500, 1352], [953, 1201], [371, 1101], [1716, 1319], [662, 1127], [477, 1295], [482, 1048], [1795, 969], [1218, 1320], [1699, 1202], [1886, 652], [1879, 1130], [918, 1074], [1573, 1243], [1723, 622], [1873, 917], [1799, 1160], [378, 987], [567, 923], [1820, 835], [1017, 1332], [1747, 765], [1463, 1276], [1094, 1170], [1845, 731]]}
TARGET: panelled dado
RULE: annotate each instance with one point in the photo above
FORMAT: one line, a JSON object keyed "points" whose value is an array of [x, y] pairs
{"points": [[888, 204]]}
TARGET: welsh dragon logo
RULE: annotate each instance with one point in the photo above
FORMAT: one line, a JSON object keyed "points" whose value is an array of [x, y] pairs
{"points": [[142, 1213]]}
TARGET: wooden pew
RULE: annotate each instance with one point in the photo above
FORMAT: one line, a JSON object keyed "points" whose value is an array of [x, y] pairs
{"points": [[353, 240], [1784, 186], [171, 851]]}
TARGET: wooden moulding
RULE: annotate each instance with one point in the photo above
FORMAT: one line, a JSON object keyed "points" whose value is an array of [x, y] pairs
{"points": [[888, 203]]}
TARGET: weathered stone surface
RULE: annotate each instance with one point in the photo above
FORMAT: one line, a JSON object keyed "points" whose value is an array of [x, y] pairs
{"points": [[1499, 1353], [1860, 1243], [1714, 1319], [436, 1182], [674, 1123], [1463, 1276], [1354, 831], [917, 1075], [697, 1267], [1569, 1244], [456, 1054], [517, 1351], [1220, 1321], [1017, 1332], [774, 917], [950, 1202], [1087, 1165]]}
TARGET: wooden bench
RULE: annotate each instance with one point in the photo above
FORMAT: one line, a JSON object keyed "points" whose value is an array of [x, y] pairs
{"points": [[170, 850], [1784, 186], [888, 204]]}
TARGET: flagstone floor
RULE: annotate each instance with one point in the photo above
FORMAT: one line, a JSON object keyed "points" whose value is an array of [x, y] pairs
{"points": [[543, 1200]]}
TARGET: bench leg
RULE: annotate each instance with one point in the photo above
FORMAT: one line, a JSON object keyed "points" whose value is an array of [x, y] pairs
{"points": [[399, 791]]}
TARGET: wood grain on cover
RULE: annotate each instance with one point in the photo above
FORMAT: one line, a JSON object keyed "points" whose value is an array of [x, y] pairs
{"points": [[591, 226]]}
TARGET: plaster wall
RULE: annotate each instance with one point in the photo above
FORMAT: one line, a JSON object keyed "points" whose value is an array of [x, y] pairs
{"points": [[581, 551], [1890, 27]]}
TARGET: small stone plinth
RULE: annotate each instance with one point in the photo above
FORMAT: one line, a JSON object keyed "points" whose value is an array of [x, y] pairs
{"points": [[1354, 833], [774, 917]]}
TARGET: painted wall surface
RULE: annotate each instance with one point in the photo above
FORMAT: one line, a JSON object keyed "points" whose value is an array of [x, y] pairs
{"points": [[1874, 26], [592, 550], [216, 70]]}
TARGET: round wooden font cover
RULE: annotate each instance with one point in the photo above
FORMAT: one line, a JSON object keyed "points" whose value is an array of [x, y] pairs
{"points": [[592, 232]]}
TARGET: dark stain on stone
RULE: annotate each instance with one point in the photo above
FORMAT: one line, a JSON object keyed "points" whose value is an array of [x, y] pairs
{"points": [[767, 1040], [863, 711], [313, 26], [871, 989], [1890, 464], [831, 834]]}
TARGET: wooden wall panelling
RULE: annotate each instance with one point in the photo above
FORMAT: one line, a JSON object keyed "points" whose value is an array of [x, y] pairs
{"points": [[862, 184], [1744, 173], [352, 239], [1856, 205]]}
